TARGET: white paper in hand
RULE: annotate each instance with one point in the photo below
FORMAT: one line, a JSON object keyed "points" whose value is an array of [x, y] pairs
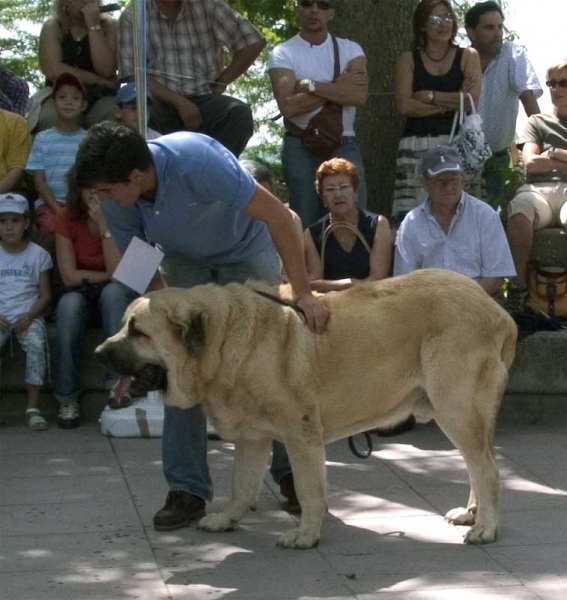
{"points": [[138, 265]]}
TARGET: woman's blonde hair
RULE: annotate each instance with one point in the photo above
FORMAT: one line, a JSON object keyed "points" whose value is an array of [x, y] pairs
{"points": [[561, 66], [337, 166], [61, 14]]}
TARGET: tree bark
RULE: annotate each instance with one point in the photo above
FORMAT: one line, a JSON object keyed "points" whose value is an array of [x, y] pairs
{"points": [[384, 29]]}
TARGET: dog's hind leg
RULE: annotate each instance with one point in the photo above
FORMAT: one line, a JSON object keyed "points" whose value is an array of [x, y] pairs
{"points": [[250, 462], [466, 410], [308, 466]]}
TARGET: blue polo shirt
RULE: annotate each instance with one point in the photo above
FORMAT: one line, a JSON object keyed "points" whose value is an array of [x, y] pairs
{"points": [[197, 211]]}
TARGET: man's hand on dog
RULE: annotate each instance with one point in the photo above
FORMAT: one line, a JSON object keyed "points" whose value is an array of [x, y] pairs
{"points": [[315, 312]]}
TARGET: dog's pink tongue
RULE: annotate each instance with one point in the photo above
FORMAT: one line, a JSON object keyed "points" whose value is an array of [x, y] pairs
{"points": [[122, 386]]}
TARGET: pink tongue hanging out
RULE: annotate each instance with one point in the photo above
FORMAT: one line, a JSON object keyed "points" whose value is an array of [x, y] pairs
{"points": [[122, 386]]}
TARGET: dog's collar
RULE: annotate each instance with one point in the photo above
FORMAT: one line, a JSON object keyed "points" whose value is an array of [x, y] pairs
{"points": [[281, 301]]}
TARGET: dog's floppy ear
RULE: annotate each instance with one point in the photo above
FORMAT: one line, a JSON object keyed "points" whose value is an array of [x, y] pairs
{"points": [[192, 330]]}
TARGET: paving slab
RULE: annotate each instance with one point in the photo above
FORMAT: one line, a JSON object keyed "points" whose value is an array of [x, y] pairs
{"points": [[76, 514]]}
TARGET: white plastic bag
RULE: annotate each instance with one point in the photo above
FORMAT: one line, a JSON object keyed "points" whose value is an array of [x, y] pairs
{"points": [[470, 142]]}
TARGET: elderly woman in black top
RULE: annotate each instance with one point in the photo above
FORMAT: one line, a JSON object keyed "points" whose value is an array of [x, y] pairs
{"points": [[348, 244]]}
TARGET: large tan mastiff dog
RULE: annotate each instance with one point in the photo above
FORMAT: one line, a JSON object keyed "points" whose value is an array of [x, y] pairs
{"points": [[431, 343]]}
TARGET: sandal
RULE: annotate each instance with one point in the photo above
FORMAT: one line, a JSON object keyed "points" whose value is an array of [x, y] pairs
{"points": [[36, 421], [124, 402]]}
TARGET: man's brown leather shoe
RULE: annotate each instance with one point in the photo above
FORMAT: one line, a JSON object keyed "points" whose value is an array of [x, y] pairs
{"points": [[180, 509]]}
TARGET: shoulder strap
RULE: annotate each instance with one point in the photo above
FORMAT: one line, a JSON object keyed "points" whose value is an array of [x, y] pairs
{"points": [[337, 71]]}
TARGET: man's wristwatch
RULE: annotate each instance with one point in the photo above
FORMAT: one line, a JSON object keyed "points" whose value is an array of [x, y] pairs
{"points": [[551, 151], [430, 96], [106, 235], [310, 85]]}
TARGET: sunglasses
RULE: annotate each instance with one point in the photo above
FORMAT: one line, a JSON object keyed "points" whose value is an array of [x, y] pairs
{"points": [[553, 83], [321, 4], [438, 19]]}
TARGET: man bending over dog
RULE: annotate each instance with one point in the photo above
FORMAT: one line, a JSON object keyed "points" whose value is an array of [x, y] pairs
{"points": [[188, 195]]}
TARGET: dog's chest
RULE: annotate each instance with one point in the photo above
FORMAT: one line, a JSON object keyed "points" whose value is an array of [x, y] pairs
{"points": [[232, 422]]}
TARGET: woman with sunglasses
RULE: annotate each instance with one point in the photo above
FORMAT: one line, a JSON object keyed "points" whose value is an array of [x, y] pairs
{"points": [[348, 244], [542, 201], [428, 81]]}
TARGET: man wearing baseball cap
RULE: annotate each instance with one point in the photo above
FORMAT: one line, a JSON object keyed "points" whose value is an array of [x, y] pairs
{"points": [[126, 109], [452, 229]]}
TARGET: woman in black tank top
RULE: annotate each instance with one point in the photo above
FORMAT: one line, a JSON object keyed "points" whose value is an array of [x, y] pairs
{"points": [[80, 40], [348, 244], [429, 79]]}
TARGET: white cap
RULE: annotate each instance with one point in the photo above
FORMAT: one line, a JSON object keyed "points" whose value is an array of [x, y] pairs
{"points": [[13, 203]]}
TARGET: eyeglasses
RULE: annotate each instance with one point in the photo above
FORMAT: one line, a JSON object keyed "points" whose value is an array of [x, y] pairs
{"points": [[438, 19], [553, 83], [333, 189], [321, 4]]}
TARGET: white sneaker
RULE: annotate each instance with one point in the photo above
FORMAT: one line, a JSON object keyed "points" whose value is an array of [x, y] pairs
{"points": [[68, 417]]}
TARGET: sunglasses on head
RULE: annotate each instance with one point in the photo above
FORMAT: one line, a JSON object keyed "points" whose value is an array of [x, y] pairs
{"points": [[438, 19], [321, 4], [553, 83]]}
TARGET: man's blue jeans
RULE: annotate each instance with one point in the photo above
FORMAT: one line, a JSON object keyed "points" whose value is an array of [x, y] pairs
{"points": [[71, 319], [184, 441], [300, 167]]}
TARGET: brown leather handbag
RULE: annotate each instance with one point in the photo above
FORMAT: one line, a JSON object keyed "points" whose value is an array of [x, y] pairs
{"points": [[323, 134]]}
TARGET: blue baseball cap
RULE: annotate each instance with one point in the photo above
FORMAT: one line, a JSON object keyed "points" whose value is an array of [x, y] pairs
{"points": [[127, 94]]}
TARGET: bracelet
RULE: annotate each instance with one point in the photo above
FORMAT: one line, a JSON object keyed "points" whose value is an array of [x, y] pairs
{"points": [[95, 28]]}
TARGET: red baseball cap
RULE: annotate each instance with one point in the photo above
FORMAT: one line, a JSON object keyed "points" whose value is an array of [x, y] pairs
{"points": [[68, 79]]}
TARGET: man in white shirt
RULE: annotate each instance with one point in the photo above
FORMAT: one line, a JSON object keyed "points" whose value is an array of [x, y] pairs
{"points": [[301, 71], [452, 229], [508, 78]]}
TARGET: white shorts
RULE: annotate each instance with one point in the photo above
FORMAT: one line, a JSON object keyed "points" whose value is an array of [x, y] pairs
{"points": [[543, 204]]}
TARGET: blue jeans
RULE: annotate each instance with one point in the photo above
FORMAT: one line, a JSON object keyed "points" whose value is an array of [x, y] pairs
{"points": [[73, 313], [184, 442], [299, 169]]}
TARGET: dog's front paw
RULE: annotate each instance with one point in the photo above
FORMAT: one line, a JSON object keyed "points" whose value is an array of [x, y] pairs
{"points": [[298, 539], [480, 534], [216, 522], [460, 516]]}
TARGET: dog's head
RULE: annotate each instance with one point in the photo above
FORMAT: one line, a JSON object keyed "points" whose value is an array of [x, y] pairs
{"points": [[160, 335]]}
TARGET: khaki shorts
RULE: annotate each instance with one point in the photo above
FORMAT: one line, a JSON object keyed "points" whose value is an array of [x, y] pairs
{"points": [[541, 204]]}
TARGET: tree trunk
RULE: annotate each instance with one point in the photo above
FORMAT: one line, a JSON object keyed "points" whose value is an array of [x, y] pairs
{"points": [[384, 29]]}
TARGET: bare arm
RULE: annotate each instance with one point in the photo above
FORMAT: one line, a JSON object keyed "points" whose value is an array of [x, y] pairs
{"points": [[102, 41], [51, 58], [537, 161], [530, 103], [188, 111], [405, 101], [490, 285], [267, 208], [11, 179], [290, 102], [349, 89], [241, 62], [67, 263], [44, 190]]}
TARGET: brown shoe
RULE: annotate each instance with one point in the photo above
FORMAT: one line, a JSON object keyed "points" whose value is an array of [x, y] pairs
{"points": [[287, 490], [180, 509]]}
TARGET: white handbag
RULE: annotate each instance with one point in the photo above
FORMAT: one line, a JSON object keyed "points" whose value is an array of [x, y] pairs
{"points": [[470, 142]]}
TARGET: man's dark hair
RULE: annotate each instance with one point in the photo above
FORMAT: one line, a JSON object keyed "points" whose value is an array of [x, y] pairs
{"points": [[472, 16], [108, 153]]}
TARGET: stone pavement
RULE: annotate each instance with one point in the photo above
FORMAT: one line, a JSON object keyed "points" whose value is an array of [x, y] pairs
{"points": [[76, 510]]}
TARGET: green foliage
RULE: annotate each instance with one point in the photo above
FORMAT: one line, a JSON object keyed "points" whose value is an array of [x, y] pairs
{"points": [[18, 46]]}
